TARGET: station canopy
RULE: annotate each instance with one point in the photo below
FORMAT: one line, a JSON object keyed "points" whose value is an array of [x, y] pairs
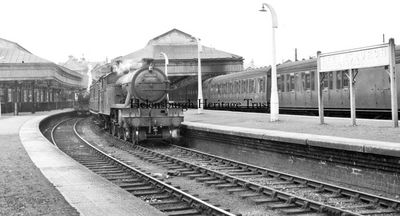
{"points": [[18, 64]]}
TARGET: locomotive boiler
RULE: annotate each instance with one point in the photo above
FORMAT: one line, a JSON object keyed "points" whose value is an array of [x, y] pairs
{"points": [[131, 104]]}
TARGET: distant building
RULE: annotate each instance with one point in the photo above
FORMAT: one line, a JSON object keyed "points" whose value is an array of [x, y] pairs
{"points": [[81, 66], [99, 69]]}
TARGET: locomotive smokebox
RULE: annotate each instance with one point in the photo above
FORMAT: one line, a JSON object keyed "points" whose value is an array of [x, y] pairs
{"points": [[146, 84], [149, 84]]}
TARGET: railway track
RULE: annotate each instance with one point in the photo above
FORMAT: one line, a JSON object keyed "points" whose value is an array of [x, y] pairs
{"points": [[162, 196], [290, 194], [269, 185]]}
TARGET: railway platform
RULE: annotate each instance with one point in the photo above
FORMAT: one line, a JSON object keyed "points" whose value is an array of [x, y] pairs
{"points": [[24, 190], [38, 179], [369, 136], [365, 156]]}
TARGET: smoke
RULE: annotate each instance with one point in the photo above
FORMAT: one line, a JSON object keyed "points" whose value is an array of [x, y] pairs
{"points": [[127, 65], [89, 73]]}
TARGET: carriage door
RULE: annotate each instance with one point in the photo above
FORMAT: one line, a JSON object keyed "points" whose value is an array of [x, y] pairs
{"points": [[326, 93], [307, 89]]}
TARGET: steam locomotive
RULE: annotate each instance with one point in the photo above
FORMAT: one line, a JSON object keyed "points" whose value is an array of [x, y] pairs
{"points": [[249, 90], [81, 105], [131, 104]]}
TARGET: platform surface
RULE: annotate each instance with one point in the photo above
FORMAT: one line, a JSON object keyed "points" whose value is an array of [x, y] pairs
{"points": [[370, 136], [23, 188], [74, 186]]}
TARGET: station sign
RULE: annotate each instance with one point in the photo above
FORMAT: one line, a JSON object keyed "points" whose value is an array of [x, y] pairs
{"points": [[365, 57]]}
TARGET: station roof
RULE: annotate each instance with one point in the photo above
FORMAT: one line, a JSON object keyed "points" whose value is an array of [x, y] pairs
{"points": [[177, 45], [19, 64], [11, 52]]}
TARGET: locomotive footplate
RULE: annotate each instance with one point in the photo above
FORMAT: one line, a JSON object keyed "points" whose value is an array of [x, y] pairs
{"points": [[153, 121], [137, 117]]}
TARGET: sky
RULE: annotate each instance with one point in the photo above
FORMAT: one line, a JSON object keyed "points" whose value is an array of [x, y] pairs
{"points": [[100, 29]]}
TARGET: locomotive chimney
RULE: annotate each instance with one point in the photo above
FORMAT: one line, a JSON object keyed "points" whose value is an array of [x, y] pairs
{"points": [[295, 54]]}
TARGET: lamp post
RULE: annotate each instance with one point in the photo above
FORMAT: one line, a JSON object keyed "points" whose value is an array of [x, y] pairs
{"points": [[274, 101], [166, 69], [199, 84]]}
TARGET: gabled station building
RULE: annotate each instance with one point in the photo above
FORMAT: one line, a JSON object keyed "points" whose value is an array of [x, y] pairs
{"points": [[29, 83], [182, 52]]}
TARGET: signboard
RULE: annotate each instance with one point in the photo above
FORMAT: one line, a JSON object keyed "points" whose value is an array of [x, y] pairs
{"points": [[356, 58], [372, 56]]}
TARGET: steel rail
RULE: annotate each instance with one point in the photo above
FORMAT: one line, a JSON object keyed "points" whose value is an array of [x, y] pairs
{"points": [[200, 205], [382, 201], [273, 193], [54, 128]]}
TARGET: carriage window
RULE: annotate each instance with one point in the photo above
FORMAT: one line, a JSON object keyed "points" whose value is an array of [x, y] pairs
{"points": [[287, 82], [312, 80], [279, 82], [345, 79], [330, 78], [326, 84], [303, 81], [291, 82], [307, 81], [338, 79], [282, 85]]}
